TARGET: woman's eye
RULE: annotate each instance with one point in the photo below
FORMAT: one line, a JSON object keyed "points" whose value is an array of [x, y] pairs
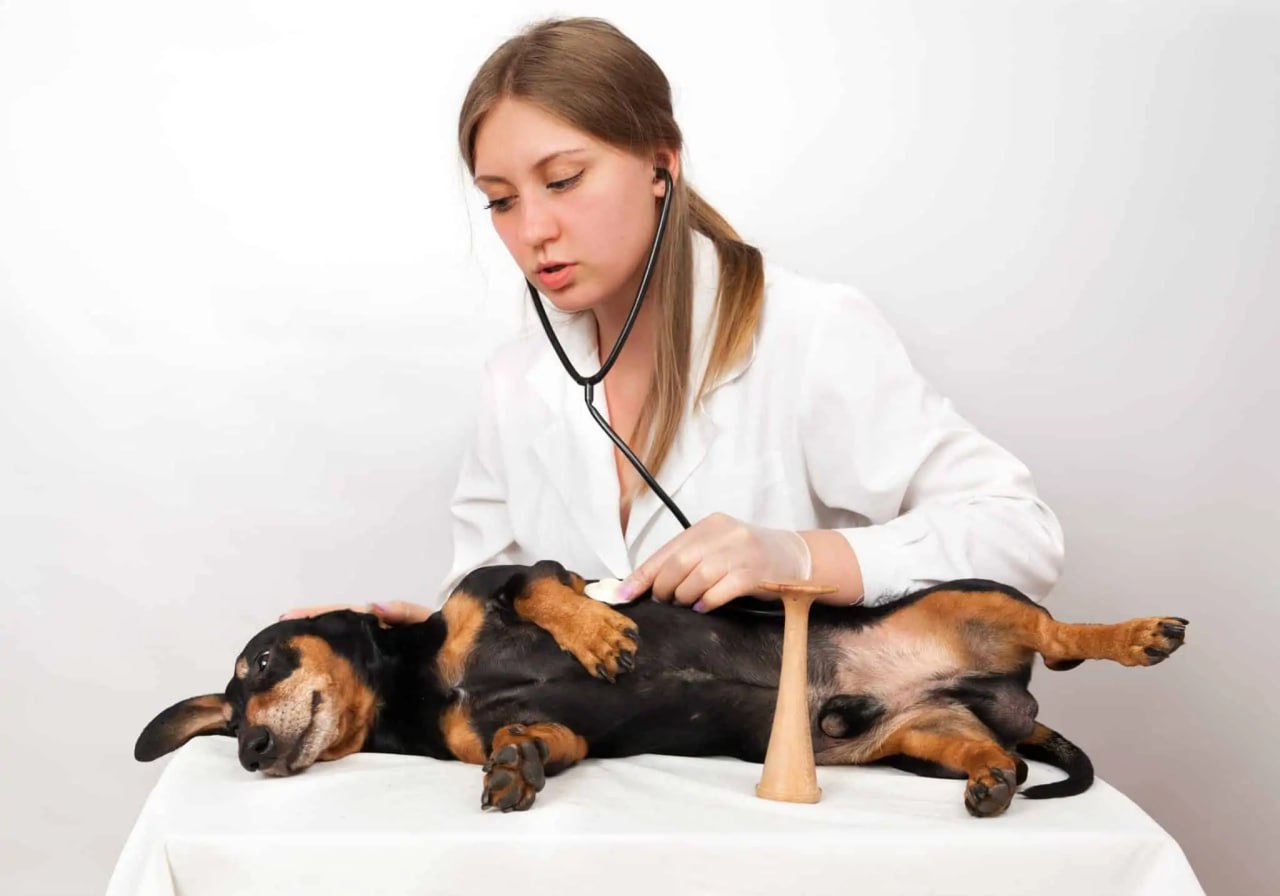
{"points": [[563, 184], [263, 659], [503, 203]]}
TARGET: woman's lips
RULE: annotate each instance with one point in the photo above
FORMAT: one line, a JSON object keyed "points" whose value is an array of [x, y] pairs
{"points": [[558, 278]]}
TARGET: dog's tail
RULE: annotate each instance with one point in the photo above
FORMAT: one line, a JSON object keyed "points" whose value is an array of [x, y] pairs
{"points": [[1046, 745]]}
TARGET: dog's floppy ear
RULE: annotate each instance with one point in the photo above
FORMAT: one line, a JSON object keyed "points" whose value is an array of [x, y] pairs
{"points": [[208, 714]]}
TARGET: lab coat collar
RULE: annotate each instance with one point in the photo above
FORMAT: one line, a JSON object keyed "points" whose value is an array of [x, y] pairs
{"points": [[577, 456]]}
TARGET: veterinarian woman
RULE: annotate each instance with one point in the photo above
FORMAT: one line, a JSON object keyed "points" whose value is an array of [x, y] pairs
{"points": [[780, 413]]}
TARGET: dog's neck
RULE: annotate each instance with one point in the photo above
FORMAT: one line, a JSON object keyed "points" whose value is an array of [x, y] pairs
{"points": [[409, 693]]}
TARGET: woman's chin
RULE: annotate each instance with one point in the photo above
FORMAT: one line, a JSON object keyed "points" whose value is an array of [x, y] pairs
{"points": [[572, 299]]}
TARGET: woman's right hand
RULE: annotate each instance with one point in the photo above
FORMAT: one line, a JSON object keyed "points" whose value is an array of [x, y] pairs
{"points": [[396, 612]]}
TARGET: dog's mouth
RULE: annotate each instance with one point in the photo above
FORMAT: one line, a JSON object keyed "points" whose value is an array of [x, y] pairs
{"points": [[307, 745]]}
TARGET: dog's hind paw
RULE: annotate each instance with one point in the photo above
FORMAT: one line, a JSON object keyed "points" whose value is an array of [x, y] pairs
{"points": [[1155, 639], [513, 776], [991, 793]]}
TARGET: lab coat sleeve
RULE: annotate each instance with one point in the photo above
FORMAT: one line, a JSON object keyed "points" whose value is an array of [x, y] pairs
{"points": [[942, 501], [482, 531]]}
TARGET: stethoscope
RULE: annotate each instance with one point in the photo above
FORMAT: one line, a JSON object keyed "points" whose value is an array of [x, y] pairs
{"points": [[589, 382]]}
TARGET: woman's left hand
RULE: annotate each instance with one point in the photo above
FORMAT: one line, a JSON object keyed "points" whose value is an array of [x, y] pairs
{"points": [[717, 559]]}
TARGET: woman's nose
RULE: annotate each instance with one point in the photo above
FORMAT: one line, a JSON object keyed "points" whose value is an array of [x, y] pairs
{"points": [[538, 222]]}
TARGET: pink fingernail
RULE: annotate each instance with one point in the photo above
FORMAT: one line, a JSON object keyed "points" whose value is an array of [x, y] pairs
{"points": [[626, 593], [382, 608], [700, 607]]}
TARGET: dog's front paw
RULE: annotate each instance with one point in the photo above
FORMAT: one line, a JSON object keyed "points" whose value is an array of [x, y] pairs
{"points": [[990, 793], [513, 775], [603, 640], [1152, 640]]}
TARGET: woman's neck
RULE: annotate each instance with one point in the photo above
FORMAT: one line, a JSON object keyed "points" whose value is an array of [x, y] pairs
{"points": [[637, 356]]}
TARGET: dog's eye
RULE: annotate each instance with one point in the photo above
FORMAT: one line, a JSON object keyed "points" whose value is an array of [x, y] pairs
{"points": [[263, 659]]}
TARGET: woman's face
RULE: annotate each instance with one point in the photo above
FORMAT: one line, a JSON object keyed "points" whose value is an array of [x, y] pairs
{"points": [[558, 195]]}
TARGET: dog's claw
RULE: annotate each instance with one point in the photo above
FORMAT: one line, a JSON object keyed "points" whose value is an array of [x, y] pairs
{"points": [[1151, 640]]}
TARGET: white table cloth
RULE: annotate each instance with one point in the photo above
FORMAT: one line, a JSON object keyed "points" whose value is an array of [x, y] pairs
{"points": [[651, 825]]}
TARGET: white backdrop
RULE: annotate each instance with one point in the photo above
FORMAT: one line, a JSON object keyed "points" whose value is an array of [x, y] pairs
{"points": [[244, 284]]}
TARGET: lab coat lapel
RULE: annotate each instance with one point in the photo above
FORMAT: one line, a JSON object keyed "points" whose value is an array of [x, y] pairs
{"points": [[702, 425], [575, 454]]}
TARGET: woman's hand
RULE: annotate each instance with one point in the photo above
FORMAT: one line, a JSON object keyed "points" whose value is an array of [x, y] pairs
{"points": [[397, 612], [717, 559]]}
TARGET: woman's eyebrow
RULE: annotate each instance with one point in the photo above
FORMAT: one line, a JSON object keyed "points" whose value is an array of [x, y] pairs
{"points": [[493, 178]]}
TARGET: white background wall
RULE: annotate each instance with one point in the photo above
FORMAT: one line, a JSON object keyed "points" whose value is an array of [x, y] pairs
{"points": [[243, 284]]}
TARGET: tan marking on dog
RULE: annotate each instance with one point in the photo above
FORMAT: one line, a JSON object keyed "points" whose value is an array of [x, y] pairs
{"points": [[564, 748], [1002, 632], [335, 726], [460, 737], [594, 633], [1041, 734], [242, 667], [463, 614], [348, 697]]}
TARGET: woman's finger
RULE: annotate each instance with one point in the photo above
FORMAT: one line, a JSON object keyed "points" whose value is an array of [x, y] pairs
{"points": [[706, 572], [736, 584], [308, 612], [399, 612]]}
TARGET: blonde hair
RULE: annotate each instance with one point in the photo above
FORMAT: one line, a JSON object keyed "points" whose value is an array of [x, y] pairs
{"points": [[589, 74]]}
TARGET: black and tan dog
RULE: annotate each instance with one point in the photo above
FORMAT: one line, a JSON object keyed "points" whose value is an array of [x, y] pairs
{"points": [[935, 683]]}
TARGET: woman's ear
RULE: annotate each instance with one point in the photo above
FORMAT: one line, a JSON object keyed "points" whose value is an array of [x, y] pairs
{"points": [[670, 160]]}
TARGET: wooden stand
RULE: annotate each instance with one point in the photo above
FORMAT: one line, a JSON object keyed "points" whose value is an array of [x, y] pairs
{"points": [[789, 773]]}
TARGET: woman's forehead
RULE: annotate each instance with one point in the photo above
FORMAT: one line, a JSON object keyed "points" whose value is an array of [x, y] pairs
{"points": [[516, 136]]}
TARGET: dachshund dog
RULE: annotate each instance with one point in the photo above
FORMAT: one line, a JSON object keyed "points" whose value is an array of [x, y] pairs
{"points": [[522, 673]]}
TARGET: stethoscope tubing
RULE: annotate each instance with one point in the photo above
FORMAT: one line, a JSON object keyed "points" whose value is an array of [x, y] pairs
{"points": [[589, 382]]}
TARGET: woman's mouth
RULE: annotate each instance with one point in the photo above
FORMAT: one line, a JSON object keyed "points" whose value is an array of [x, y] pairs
{"points": [[557, 276]]}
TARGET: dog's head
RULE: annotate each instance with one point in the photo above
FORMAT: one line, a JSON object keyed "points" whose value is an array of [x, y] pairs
{"points": [[302, 691]]}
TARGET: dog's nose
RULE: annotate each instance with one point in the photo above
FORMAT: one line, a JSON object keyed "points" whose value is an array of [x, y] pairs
{"points": [[257, 748]]}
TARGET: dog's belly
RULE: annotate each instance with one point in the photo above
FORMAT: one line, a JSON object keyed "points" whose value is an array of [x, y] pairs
{"points": [[894, 664]]}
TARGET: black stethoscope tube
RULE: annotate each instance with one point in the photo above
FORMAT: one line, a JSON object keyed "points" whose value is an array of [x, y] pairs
{"points": [[589, 382]]}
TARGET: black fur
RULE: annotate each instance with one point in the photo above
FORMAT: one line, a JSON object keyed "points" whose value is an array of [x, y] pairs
{"points": [[700, 684]]}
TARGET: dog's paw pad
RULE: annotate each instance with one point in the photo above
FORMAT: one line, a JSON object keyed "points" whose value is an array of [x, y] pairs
{"points": [[989, 794], [1154, 640], [513, 776]]}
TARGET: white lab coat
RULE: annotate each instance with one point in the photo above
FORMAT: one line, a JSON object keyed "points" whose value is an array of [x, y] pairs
{"points": [[826, 425]]}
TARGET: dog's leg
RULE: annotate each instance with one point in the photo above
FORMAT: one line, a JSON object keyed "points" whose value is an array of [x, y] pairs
{"points": [[999, 629], [1138, 642], [953, 738], [599, 637], [522, 757]]}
